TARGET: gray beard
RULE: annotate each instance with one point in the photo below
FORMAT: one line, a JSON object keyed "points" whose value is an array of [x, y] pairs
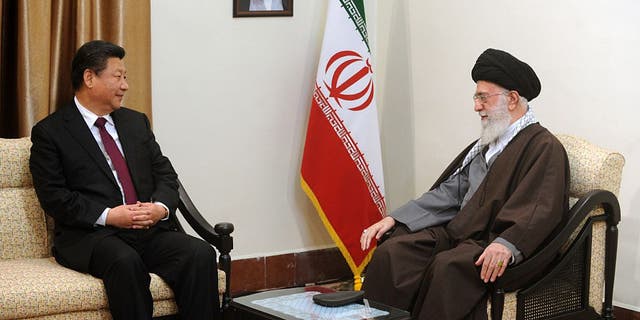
{"points": [[496, 124]]}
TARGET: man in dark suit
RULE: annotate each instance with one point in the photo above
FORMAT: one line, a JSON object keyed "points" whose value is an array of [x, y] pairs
{"points": [[100, 174]]}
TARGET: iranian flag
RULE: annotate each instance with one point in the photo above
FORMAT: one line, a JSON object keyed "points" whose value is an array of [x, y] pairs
{"points": [[342, 167]]}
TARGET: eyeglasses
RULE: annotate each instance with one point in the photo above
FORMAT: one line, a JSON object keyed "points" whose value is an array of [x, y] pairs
{"points": [[483, 96]]}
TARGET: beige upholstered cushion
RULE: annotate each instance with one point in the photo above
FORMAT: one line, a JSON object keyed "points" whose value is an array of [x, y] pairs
{"points": [[23, 231], [36, 287], [14, 163], [592, 167], [596, 273], [509, 307], [93, 315]]}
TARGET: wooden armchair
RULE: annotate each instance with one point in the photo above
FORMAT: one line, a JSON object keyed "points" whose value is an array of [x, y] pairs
{"points": [[572, 277], [577, 282], [34, 286]]}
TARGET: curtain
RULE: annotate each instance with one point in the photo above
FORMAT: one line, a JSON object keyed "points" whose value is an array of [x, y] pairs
{"points": [[38, 40]]}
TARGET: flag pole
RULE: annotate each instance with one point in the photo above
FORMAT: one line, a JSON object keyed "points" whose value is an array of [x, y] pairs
{"points": [[341, 170]]}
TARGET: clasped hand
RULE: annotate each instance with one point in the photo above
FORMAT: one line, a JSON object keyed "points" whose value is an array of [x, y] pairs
{"points": [[141, 215]]}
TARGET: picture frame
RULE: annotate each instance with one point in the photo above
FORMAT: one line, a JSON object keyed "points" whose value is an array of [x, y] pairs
{"points": [[262, 8]]}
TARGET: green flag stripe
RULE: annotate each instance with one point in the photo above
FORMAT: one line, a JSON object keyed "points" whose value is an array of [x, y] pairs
{"points": [[355, 9]]}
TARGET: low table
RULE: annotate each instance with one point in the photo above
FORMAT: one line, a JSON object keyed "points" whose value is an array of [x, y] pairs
{"points": [[294, 303]]}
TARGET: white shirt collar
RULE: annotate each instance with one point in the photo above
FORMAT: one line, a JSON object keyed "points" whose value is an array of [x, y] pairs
{"points": [[88, 116]]}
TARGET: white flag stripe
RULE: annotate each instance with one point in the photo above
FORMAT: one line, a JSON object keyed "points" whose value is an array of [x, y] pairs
{"points": [[361, 125]]}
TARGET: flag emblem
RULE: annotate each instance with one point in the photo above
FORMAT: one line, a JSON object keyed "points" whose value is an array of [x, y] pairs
{"points": [[351, 80]]}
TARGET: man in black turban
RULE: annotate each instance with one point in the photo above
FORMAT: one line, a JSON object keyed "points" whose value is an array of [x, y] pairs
{"points": [[507, 71], [494, 206]]}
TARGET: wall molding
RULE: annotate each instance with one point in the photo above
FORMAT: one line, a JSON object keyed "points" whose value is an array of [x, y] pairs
{"points": [[288, 270], [625, 314]]}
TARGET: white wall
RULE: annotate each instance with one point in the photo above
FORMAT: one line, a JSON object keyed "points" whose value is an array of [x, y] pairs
{"points": [[231, 99], [230, 106]]}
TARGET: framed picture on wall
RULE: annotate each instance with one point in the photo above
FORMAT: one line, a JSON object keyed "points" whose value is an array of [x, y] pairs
{"points": [[262, 8]]}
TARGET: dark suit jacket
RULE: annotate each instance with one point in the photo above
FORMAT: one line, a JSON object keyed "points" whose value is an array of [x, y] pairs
{"points": [[74, 183]]}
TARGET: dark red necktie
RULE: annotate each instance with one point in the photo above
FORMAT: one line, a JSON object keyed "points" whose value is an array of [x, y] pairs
{"points": [[118, 162]]}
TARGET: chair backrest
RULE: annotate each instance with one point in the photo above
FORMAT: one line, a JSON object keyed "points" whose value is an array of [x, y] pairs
{"points": [[23, 225], [592, 167]]}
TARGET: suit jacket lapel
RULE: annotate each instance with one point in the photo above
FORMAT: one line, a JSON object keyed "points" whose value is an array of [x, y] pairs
{"points": [[78, 129]]}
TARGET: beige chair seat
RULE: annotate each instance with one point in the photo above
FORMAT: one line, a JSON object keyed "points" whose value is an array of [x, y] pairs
{"points": [[36, 287], [32, 288]]}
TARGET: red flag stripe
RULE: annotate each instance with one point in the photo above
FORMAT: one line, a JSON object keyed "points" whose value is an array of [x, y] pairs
{"points": [[339, 179], [350, 145]]}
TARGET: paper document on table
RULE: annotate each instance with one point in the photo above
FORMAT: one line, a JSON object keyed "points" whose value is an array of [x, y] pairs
{"points": [[301, 306]]}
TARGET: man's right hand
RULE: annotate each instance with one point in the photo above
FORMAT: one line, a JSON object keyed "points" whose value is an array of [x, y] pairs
{"points": [[127, 217], [376, 230]]}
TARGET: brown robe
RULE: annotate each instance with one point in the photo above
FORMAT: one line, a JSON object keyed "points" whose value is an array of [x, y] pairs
{"points": [[523, 199]]}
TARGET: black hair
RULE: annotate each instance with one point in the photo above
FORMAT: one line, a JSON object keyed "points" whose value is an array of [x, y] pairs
{"points": [[93, 55]]}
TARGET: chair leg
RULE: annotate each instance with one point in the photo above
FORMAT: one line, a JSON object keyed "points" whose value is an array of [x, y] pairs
{"points": [[224, 231], [225, 265], [609, 271], [497, 304]]}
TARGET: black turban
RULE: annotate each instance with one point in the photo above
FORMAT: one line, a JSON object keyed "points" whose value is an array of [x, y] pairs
{"points": [[506, 71]]}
